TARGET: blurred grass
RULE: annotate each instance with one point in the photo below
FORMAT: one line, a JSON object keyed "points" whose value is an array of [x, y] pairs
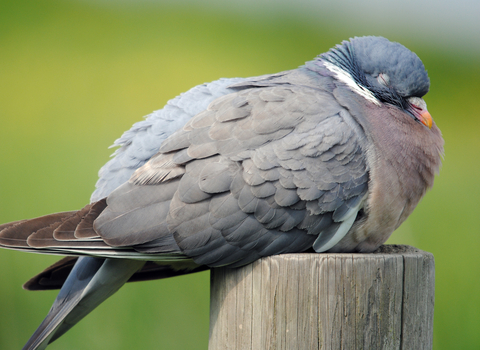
{"points": [[74, 77]]}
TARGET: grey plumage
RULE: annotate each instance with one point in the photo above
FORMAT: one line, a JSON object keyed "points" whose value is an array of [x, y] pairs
{"points": [[332, 156], [133, 151], [90, 282]]}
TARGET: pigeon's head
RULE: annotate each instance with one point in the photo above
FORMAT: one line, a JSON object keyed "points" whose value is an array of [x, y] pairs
{"points": [[383, 72]]}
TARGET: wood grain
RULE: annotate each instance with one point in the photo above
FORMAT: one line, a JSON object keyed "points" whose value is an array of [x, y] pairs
{"points": [[382, 300]]}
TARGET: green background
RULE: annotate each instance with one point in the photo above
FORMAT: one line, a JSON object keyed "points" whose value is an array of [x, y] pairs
{"points": [[74, 76]]}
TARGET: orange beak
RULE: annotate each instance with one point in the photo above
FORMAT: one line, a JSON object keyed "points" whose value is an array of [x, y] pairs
{"points": [[425, 118], [421, 113]]}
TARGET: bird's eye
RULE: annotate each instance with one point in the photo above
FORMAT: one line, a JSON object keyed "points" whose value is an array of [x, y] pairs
{"points": [[415, 107], [383, 79]]}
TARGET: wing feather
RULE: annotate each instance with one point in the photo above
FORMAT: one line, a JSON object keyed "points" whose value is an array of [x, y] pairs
{"points": [[261, 171]]}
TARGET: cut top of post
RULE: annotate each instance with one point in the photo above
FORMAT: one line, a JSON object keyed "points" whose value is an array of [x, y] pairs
{"points": [[382, 300]]}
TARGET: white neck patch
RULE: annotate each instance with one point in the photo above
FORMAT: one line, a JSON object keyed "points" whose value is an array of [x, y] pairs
{"points": [[346, 78]]}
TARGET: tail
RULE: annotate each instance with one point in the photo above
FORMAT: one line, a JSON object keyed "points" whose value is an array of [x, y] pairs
{"points": [[90, 282], [90, 279]]}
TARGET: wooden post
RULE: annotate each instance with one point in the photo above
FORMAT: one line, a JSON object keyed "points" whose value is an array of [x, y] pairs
{"points": [[382, 300]]}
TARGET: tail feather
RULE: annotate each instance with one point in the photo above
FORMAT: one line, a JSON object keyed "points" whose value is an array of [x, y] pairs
{"points": [[90, 282], [54, 276]]}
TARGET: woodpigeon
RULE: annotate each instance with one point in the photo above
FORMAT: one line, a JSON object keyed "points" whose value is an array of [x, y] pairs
{"points": [[332, 156]]}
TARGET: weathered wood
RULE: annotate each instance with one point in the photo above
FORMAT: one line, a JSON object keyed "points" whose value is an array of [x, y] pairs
{"points": [[382, 300]]}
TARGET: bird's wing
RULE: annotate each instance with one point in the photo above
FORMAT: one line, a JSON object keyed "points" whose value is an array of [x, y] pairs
{"points": [[142, 141], [260, 172], [70, 233]]}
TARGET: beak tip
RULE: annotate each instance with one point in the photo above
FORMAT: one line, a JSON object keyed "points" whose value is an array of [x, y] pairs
{"points": [[426, 119]]}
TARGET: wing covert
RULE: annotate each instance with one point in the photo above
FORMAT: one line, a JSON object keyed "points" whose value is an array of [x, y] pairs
{"points": [[261, 171]]}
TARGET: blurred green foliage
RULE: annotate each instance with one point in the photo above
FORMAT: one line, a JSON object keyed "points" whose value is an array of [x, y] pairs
{"points": [[75, 76]]}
